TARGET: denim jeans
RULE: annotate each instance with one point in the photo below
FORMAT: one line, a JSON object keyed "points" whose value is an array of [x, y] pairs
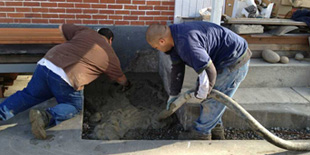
{"points": [[44, 85], [211, 111]]}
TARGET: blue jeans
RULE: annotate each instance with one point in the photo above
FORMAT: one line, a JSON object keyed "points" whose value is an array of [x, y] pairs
{"points": [[211, 111], [44, 85]]}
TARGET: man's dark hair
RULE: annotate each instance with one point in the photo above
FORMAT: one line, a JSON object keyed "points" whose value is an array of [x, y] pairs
{"points": [[106, 32]]}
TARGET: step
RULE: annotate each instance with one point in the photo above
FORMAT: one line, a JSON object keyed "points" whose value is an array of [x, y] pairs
{"points": [[273, 107], [263, 74]]}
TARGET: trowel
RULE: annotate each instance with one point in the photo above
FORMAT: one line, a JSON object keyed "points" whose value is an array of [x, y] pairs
{"points": [[174, 106]]}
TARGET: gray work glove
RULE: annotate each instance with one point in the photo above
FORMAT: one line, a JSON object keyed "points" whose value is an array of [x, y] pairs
{"points": [[171, 99]]}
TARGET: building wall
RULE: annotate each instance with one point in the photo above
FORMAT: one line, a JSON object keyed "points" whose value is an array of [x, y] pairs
{"points": [[87, 12]]}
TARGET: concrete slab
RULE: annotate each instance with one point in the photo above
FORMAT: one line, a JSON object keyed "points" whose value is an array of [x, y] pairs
{"points": [[272, 107], [269, 95], [16, 138], [303, 91]]}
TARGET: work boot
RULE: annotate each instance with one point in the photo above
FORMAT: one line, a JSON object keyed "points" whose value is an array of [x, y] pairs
{"points": [[218, 132], [39, 121], [194, 135]]}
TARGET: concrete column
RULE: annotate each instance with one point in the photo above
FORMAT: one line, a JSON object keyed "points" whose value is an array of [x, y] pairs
{"points": [[216, 14]]}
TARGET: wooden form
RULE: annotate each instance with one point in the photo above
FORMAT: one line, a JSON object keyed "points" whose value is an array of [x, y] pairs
{"points": [[271, 39], [263, 21], [30, 36]]}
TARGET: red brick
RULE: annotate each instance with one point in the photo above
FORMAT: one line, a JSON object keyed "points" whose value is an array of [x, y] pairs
{"points": [[99, 6], [107, 1], [83, 16], [90, 21], [146, 18], [39, 20], [82, 5], [106, 11], [130, 7], [137, 23], [123, 1], [22, 20], [115, 6], [50, 16], [71, 21], [39, 9], [14, 3], [160, 18], [49, 5], [170, 18], [151, 22], [57, 21], [138, 2], [171, 8], [121, 22], [2, 14], [1, 3], [100, 17], [23, 9], [163, 22], [57, 0], [57, 10], [91, 1], [74, 1], [167, 13], [153, 3], [6, 20], [66, 16], [137, 12], [115, 17], [130, 17], [122, 12], [32, 15], [153, 13], [65, 5], [107, 22], [73, 10], [145, 7], [168, 3], [90, 11], [7, 9], [16, 15], [161, 8]]}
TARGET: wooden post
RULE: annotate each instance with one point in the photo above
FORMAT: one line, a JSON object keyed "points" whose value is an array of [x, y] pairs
{"points": [[216, 14]]}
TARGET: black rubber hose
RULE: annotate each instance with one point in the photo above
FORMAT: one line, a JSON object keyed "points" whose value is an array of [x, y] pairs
{"points": [[256, 126]]}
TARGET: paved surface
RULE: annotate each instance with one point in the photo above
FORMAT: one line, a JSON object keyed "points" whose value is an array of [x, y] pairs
{"points": [[16, 138]]}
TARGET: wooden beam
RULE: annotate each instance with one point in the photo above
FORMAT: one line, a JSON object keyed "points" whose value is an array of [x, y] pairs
{"points": [[282, 47], [271, 39], [264, 21], [31, 36]]}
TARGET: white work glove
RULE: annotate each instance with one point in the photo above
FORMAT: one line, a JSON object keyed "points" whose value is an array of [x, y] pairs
{"points": [[193, 99], [171, 99]]}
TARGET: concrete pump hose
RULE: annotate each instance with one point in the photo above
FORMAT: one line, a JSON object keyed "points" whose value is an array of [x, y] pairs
{"points": [[256, 126]]}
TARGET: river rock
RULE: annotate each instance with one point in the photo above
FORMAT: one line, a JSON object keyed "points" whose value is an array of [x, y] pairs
{"points": [[270, 56], [284, 59], [299, 56]]}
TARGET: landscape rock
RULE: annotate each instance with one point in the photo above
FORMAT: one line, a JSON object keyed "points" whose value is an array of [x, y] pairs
{"points": [[284, 59], [299, 56], [270, 56]]}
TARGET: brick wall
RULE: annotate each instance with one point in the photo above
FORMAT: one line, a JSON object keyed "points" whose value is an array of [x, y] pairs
{"points": [[109, 12]]}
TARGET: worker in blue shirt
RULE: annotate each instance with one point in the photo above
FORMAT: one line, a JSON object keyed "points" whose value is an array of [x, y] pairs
{"points": [[219, 56]]}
